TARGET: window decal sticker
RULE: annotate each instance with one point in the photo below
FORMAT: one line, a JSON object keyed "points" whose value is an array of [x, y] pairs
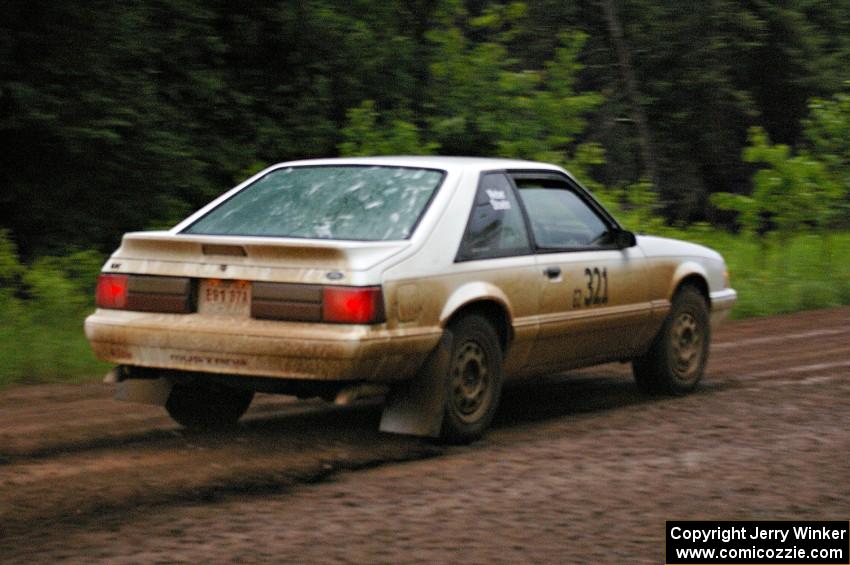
{"points": [[498, 200]]}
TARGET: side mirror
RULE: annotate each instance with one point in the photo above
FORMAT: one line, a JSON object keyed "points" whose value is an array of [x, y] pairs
{"points": [[624, 238]]}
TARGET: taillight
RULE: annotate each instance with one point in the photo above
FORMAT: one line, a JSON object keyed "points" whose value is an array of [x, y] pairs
{"points": [[111, 291], [145, 293], [353, 305]]}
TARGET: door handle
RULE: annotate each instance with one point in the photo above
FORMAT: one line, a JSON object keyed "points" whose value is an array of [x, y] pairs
{"points": [[552, 272]]}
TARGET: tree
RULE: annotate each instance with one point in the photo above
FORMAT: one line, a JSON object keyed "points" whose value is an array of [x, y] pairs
{"points": [[624, 58], [490, 105], [826, 135], [365, 134], [790, 193]]}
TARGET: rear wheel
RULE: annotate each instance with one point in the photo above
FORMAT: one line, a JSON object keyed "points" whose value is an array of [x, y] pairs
{"points": [[207, 406], [474, 380], [676, 360]]}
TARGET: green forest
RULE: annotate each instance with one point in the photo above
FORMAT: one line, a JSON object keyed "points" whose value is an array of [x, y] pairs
{"points": [[721, 122]]}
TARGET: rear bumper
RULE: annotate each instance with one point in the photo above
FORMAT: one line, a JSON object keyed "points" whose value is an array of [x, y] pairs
{"points": [[249, 347], [722, 302]]}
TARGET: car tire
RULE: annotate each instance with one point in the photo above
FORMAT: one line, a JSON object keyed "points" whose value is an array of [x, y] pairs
{"points": [[676, 359], [207, 407], [473, 381]]}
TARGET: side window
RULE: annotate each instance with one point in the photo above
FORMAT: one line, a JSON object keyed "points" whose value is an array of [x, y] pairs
{"points": [[495, 227], [559, 217]]}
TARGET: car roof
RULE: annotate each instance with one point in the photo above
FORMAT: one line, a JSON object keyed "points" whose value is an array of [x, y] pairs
{"points": [[430, 161]]}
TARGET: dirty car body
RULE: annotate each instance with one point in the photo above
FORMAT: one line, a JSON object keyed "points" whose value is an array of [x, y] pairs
{"points": [[429, 279]]}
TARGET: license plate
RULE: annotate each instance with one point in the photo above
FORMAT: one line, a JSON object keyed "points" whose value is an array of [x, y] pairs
{"points": [[225, 298]]}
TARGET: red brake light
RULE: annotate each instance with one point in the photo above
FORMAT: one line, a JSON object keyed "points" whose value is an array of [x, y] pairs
{"points": [[111, 291], [353, 305]]}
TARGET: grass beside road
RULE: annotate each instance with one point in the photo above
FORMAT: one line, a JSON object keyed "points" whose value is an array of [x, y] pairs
{"points": [[43, 305], [38, 350], [804, 272], [42, 308]]}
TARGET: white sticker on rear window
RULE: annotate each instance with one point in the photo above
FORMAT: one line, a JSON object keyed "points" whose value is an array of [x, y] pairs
{"points": [[498, 200]]}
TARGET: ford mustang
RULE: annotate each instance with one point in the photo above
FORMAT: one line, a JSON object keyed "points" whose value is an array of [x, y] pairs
{"points": [[430, 281]]}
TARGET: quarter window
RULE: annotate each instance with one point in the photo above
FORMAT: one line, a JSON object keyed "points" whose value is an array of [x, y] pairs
{"points": [[496, 227]]}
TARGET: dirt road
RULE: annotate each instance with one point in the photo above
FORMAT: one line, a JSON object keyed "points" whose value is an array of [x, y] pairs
{"points": [[578, 468]]}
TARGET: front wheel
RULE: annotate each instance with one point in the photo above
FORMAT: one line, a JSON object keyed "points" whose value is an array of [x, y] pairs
{"points": [[207, 406], [474, 380], [676, 360]]}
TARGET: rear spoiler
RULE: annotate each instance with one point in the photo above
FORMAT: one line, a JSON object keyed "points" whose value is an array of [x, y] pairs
{"points": [[257, 251]]}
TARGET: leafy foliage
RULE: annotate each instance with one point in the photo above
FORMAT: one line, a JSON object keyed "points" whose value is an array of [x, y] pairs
{"points": [[364, 135], [802, 191], [41, 311], [488, 104], [827, 134], [791, 193]]}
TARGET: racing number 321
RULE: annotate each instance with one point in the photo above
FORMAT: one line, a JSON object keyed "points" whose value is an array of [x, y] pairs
{"points": [[597, 286]]}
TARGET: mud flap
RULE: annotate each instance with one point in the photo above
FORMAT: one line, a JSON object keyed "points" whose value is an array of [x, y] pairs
{"points": [[416, 407], [146, 391]]}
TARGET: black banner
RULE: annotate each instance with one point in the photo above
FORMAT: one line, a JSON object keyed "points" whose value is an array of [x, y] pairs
{"points": [[760, 543]]}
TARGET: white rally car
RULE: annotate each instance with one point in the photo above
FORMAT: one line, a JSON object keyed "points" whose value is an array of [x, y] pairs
{"points": [[430, 280]]}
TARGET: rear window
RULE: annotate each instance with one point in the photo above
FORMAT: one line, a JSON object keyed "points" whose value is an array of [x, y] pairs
{"points": [[350, 202]]}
